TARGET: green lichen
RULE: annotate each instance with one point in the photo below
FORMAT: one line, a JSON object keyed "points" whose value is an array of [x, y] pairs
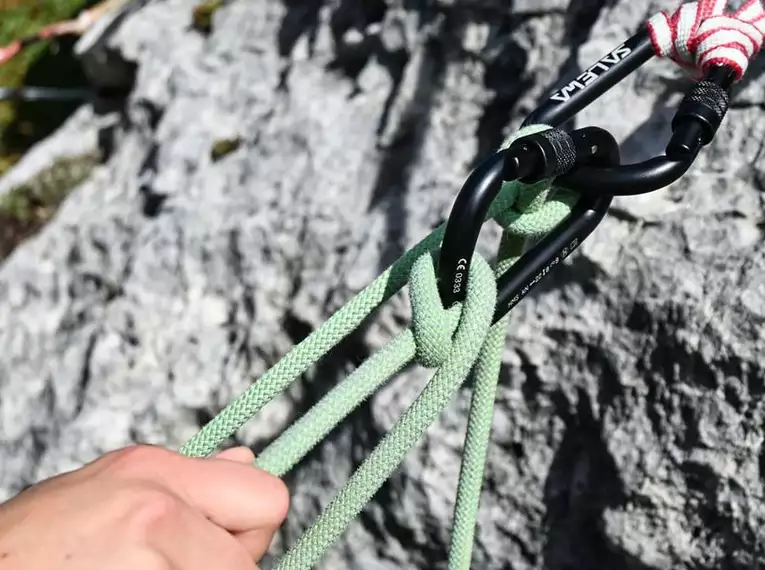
{"points": [[28, 207], [223, 147], [202, 15]]}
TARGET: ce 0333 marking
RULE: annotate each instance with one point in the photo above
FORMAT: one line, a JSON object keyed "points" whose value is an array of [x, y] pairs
{"points": [[458, 275]]}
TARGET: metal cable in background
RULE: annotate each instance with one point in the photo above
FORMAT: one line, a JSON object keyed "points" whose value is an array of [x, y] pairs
{"points": [[29, 93]]}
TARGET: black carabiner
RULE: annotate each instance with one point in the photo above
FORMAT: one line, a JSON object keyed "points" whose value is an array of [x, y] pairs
{"points": [[696, 121], [556, 246], [597, 79], [568, 157], [535, 158], [587, 213]]}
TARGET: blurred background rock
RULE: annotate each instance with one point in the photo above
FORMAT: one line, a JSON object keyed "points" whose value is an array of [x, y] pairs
{"points": [[24, 123]]}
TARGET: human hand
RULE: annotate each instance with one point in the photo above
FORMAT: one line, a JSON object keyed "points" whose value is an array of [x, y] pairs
{"points": [[146, 508]]}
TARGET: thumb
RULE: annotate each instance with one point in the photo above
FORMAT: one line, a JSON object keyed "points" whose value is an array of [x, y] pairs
{"points": [[227, 489], [237, 455]]}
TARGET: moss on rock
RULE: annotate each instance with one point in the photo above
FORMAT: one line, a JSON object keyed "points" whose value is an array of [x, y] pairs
{"points": [[28, 207]]}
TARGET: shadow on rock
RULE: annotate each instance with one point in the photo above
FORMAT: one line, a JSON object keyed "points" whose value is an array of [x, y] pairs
{"points": [[582, 483], [301, 17]]}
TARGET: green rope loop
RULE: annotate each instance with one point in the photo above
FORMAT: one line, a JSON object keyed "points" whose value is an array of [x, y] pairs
{"points": [[307, 352], [451, 341], [433, 325], [475, 321]]}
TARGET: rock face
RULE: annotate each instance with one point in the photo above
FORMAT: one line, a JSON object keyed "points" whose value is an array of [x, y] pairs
{"points": [[629, 423]]}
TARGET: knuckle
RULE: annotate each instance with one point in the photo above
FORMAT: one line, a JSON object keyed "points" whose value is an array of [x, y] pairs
{"points": [[136, 457], [150, 510]]}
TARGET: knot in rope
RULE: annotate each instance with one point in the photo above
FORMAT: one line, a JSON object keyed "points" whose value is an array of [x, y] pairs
{"points": [[700, 34], [537, 216], [432, 325]]}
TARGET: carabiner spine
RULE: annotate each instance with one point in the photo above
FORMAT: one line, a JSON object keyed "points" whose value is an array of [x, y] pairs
{"points": [[571, 98], [518, 281]]}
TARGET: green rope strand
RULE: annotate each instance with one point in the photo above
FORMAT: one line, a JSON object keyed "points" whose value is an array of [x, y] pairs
{"points": [[308, 352], [486, 375], [295, 443]]}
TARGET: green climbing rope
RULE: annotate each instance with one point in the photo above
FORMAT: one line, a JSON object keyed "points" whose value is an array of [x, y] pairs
{"points": [[453, 342]]}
